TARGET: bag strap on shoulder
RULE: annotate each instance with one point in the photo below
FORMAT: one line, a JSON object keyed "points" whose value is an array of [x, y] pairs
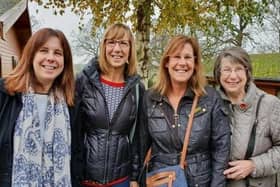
{"points": [[186, 139], [188, 134], [251, 143], [132, 131]]}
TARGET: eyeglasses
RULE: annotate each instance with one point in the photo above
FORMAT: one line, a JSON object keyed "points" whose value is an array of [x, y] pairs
{"points": [[228, 71], [177, 58], [124, 44]]}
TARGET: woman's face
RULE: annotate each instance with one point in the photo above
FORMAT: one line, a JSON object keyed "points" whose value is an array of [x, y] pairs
{"points": [[117, 52], [233, 77], [48, 62], [181, 65]]}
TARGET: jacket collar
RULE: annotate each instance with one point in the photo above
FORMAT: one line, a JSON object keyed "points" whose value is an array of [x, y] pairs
{"points": [[3, 89], [247, 101], [92, 72], [159, 98]]}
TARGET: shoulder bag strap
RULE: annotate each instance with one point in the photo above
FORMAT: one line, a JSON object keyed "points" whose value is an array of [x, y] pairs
{"points": [[251, 143], [188, 134], [186, 139], [132, 131]]}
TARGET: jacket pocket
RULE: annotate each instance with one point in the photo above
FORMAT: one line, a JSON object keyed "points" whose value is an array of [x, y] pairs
{"points": [[200, 171], [262, 182], [5, 179], [157, 122], [200, 110], [202, 180], [201, 118]]}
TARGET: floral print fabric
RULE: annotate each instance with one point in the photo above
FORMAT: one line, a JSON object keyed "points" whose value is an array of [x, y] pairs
{"points": [[42, 161]]}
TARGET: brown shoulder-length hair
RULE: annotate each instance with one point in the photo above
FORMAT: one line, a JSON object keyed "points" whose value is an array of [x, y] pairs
{"points": [[23, 76], [235, 55], [197, 81], [118, 31]]}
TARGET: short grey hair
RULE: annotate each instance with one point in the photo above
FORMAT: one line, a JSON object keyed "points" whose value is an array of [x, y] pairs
{"points": [[236, 55]]}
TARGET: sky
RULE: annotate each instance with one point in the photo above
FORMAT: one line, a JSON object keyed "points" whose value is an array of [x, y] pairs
{"points": [[68, 23]]}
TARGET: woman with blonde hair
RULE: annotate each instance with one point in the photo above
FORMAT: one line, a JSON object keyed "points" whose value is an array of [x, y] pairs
{"points": [[165, 112], [108, 92], [35, 132]]}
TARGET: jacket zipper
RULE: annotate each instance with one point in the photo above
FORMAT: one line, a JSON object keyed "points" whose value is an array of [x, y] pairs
{"points": [[109, 125], [105, 180], [105, 177]]}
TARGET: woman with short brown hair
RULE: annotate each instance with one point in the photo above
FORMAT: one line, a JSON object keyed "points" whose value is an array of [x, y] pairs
{"points": [[255, 122]]}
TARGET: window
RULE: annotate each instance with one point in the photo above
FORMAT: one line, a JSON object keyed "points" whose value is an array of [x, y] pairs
{"points": [[14, 62]]}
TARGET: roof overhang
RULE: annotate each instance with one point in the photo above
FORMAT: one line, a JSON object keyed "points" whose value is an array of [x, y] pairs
{"points": [[18, 13]]}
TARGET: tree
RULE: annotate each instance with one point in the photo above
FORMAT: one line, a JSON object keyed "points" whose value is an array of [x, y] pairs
{"points": [[266, 37], [85, 44], [164, 16], [235, 18], [35, 23], [272, 22]]}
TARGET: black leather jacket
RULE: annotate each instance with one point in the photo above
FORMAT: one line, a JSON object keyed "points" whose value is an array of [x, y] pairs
{"points": [[102, 150], [10, 107], [209, 146]]}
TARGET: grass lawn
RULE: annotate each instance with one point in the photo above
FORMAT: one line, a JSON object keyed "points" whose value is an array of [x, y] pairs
{"points": [[264, 66]]}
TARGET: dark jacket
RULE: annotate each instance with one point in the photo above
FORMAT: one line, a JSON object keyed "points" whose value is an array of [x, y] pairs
{"points": [[10, 107], [209, 146], [102, 151]]}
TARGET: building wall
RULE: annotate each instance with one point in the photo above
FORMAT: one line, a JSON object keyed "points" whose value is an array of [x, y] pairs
{"points": [[9, 50]]}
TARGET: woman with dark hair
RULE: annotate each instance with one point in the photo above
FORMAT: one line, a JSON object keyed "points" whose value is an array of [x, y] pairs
{"points": [[108, 92], [255, 122], [35, 132], [165, 112]]}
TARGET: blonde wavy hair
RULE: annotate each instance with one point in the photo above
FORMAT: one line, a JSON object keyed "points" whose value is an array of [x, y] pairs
{"points": [[118, 31], [197, 81]]}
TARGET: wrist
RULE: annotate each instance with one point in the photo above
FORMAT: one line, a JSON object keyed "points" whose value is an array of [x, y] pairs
{"points": [[254, 169]]}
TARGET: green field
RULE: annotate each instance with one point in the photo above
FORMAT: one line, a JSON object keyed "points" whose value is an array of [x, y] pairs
{"points": [[264, 66]]}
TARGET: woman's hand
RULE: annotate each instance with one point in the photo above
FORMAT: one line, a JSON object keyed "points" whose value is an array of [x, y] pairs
{"points": [[239, 169], [133, 184]]}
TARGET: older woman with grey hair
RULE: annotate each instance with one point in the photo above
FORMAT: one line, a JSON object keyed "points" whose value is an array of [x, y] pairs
{"points": [[255, 122]]}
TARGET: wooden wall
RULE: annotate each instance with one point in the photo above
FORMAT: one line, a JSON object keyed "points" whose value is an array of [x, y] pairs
{"points": [[9, 52]]}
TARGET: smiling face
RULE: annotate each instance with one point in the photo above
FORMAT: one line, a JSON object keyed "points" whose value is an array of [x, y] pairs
{"points": [[117, 52], [48, 62], [181, 65], [233, 77]]}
